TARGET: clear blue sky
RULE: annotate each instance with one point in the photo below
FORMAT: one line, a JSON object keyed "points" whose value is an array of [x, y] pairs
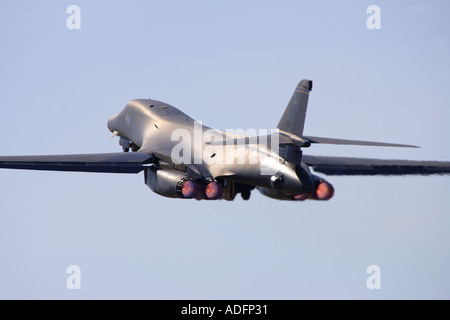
{"points": [[229, 64]]}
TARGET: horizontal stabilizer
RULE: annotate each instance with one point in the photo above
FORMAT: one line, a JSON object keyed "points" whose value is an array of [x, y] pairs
{"points": [[356, 142]]}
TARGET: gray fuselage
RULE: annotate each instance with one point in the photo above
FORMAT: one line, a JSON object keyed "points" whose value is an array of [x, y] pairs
{"points": [[153, 125]]}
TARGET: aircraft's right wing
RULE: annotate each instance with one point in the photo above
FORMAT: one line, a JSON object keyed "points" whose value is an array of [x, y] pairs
{"points": [[362, 166], [132, 162]]}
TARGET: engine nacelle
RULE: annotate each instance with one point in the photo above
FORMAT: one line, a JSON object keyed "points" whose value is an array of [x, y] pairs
{"points": [[323, 191], [176, 184], [213, 190], [170, 183]]}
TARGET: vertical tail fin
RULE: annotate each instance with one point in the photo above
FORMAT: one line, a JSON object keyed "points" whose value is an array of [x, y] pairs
{"points": [[293, 119]]}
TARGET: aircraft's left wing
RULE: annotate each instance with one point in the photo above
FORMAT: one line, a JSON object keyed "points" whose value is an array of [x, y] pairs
{"points": [[362, 166], [132, 162]]}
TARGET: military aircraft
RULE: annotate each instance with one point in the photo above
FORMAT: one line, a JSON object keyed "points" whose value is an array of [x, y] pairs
{"points": [[181, 158]]}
